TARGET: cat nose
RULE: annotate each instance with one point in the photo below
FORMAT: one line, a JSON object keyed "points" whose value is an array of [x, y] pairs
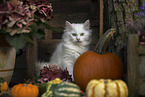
{"points": [[78, 39]]}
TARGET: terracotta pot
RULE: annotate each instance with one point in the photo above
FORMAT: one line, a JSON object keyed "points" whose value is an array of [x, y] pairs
{"points": [[7, 59]]}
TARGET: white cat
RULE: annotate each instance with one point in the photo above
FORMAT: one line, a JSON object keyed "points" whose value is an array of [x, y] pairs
{"points": [[75, 41]]}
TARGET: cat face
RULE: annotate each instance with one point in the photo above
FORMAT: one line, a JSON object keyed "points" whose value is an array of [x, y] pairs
{"points": [[78, 32]]}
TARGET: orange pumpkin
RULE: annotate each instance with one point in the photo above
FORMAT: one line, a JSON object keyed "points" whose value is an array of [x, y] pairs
{"points": [[25, 90], [97, 64], [3, 85]]}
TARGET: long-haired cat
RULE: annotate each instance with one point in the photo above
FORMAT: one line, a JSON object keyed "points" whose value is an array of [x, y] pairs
{"points": [[75, 41]]}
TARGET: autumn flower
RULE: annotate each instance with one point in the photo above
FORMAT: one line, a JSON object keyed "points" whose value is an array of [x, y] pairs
{"points": [[24, 19], [51, 72], [16, 18]]}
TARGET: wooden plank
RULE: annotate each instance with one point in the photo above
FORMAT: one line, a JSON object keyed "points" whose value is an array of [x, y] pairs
{"points": [[141, 49], [142, 86], [101, 18], [49, 45], [31, 58], [48, 34], [46, 48], [142, 65], [94, 13], [133, 65]]}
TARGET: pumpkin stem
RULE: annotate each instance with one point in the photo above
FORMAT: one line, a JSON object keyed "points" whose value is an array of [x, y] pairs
{"points": [[103, 41], [25, 85]]}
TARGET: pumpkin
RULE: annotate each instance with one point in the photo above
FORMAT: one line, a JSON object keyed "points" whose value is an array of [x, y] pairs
{"points": [[50, 86], [107, 88], [67, 89], [3, 85], [98, 64], [25, 90]]}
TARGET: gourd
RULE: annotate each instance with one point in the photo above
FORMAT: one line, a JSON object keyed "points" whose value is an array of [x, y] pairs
{"points": [[25, 90], [107, 88], [51, 85], [3, 85], [67, 89], [98, 64]]}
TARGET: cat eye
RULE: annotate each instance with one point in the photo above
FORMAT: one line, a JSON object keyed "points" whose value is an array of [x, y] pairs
{"points": [[82, 34], [74, 34]]}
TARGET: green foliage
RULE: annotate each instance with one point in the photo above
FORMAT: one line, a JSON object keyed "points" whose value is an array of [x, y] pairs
{"points": [[1, 80], [17, 41], [23, 21], [42, 88], [51, 27], [40, 33]]}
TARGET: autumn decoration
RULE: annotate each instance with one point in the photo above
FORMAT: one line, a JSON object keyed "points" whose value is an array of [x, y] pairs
{"points": [[51, 72], [3, 85], [107, 88], [98, 64], [23, 20], [24, 90]]}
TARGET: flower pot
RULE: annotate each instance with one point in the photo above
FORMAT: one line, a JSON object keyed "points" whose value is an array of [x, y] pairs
{"points": [[7, 59]]}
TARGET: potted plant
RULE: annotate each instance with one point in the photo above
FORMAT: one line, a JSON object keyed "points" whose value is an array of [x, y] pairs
{"points": [[23, 19], [20, 22]]}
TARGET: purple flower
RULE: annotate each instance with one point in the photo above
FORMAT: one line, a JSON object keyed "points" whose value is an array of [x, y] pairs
{"points": [[141, 13], [144, 4], [142, 8]]}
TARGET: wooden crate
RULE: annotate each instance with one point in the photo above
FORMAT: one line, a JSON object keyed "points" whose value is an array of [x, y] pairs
{"points": [[136, 66]]}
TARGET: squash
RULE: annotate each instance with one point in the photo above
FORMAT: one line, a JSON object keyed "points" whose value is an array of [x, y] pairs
{"points": [[107, 88], [67, 89], [51, 85], [25, 90], [3, 85], [98, 64]]}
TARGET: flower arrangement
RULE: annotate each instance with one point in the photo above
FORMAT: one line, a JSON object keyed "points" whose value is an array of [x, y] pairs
{"points": [[51, 72], [22, 20], [137, 24]]}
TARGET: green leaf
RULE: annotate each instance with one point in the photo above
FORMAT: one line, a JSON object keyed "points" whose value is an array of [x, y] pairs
{"points": [[36, 17], [28, 39], [2, 80], [17, 41], [51, 27], [42, 88], [40, 33], [34, 27]]}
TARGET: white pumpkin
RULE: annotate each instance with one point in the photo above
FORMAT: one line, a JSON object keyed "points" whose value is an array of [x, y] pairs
{"points": [[107, 88]]}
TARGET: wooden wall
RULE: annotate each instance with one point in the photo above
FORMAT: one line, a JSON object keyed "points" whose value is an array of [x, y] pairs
{"points": [[136, 66]]}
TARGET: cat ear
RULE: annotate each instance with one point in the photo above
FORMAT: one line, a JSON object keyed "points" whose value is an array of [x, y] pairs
{"points": [[87, 24], [68, 25]]}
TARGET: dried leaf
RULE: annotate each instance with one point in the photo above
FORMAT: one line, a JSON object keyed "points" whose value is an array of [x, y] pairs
{"points": [[10, 24], [52, 72]]}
